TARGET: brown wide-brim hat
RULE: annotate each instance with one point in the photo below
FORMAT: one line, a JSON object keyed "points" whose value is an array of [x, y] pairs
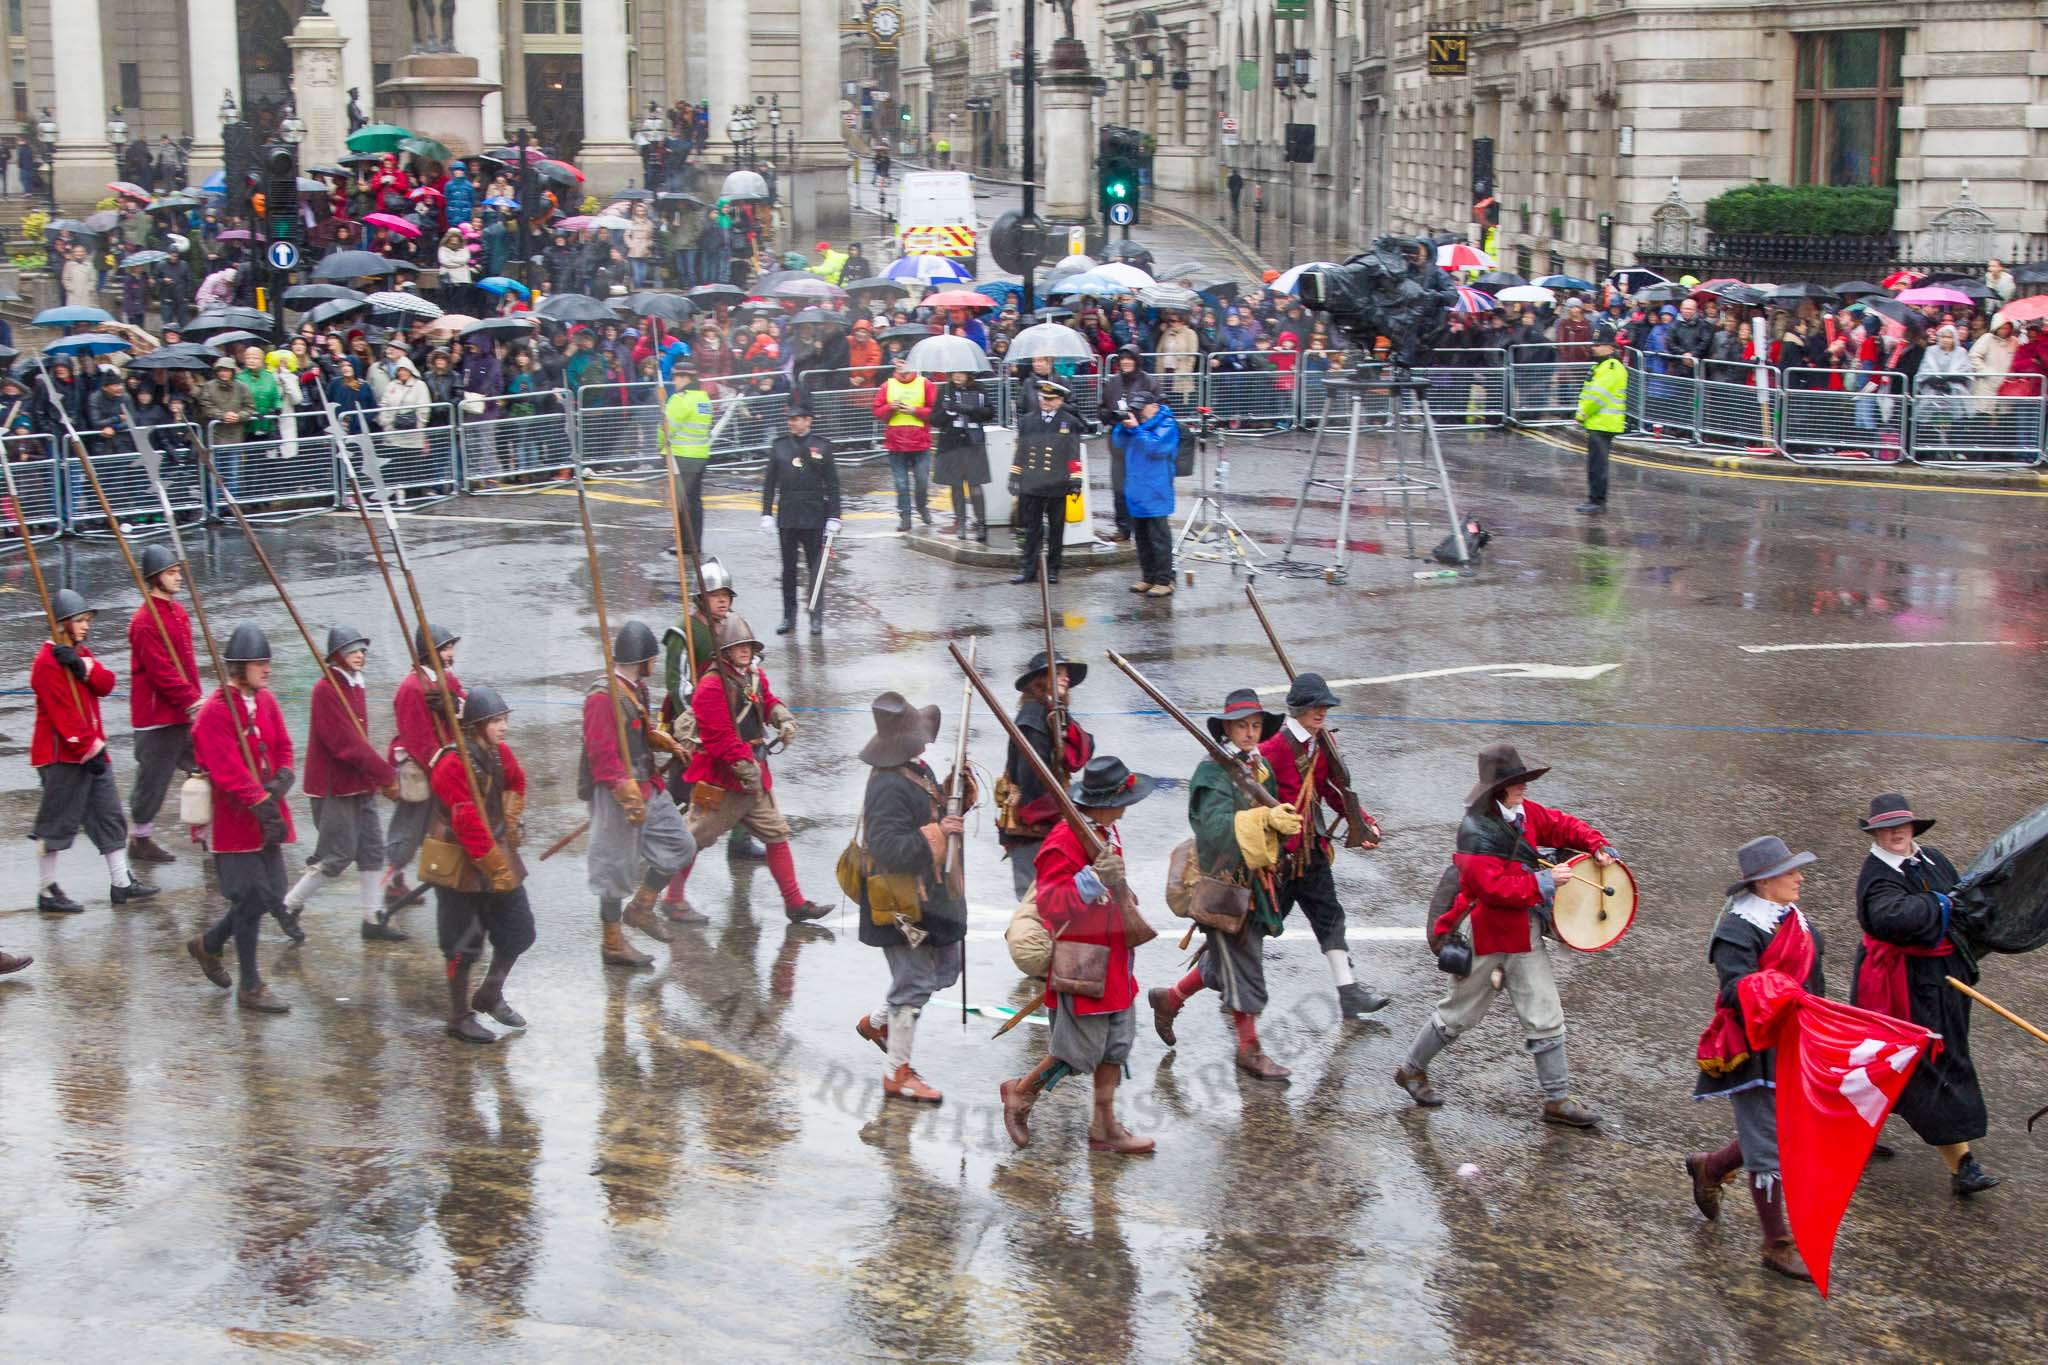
{"points": [[902, 731], [1889, 810], [1500, 766]]}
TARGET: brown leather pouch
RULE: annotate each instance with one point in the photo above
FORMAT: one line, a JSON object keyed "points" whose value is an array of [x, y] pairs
{"points": [[1220, 905], [1079, 969], [707, 795]]}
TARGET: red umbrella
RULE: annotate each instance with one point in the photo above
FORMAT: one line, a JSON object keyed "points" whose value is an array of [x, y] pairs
{"points": [[426, 192], [1901, 279], [956, 298], [128, 189], [391, 222], [545, 166]]}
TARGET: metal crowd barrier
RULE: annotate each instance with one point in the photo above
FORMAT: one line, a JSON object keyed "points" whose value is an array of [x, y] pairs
{"points": [[1246, 389], [1544, 389], [1472, 393], [1663, 397], [127, 486], [32, 460], [280, 477], [1737, 405], [620, 429], [1951, 424], [531, 439], [1861, 422], [416, 451]]}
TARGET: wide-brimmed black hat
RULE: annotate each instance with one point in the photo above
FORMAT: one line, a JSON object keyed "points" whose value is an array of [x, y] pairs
{"points": [[901, 731], [1242, 705], [1106, 784], [1762, 858], [1890, 810], [1500, 766], [1077, 672], [1307, 692]]}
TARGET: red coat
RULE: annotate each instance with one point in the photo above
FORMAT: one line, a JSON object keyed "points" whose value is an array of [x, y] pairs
{"points": [[451, 785], [1069, 917], [339, 760], [234, 828], [68, 726], [1500, 892], [421, 731], [906, 436], [158, 692], [601, 733], [719, 745], [1283, 756]]}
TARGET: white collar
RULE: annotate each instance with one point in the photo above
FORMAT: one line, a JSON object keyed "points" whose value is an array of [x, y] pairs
{"points": [[1295, 728], [1890, 859], [1511, 815], [427, 673], [354, 679], [1754, 910]]}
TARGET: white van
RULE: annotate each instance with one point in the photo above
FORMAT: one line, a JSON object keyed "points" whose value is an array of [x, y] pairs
{"points": [[935, 216]]}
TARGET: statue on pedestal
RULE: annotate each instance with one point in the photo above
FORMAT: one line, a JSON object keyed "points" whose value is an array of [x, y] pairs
{"points": [[425, 36], [1066, 9], [356, 117]]}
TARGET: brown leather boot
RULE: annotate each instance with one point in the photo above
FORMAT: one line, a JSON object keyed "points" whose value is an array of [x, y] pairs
{"points": [[1122, 1141], [905, 1084], [1780, 1252], [1570, 1113], [210, 963], [262, 1000], [1164, 1008], [640, 915], [618, 952], [878, 1036], [147, 850], [1017, 1102], [1416, 1083], [9, 963], [1254, 1062], [1709, 1172]]}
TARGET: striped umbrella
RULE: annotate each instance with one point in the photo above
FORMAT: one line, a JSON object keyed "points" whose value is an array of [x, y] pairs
{"points": [[1473, 301], [1462, 256], [397, 301]]}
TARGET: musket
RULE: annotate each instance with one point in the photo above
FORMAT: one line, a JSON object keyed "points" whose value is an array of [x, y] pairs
{"points": [[152, 468], [114, 525], [604, 630], [679, 518], [1359, 830], [818, 579], [956, 805], [320, 663], [2002, 1012], [1055, 709], [1238, 772], [367, 448]]}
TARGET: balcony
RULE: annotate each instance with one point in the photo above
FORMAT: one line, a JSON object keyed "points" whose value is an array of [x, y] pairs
{"points": [[942, 51]]}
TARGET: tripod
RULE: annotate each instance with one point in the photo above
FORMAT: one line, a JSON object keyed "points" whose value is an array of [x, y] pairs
{"points": [[1406, 397], [1217, 536]]}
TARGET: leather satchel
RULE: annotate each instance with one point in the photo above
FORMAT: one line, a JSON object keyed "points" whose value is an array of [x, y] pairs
{"points": [[1079, 969], [1220, 905]]}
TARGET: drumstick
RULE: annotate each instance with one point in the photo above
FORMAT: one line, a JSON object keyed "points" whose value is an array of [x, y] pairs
{"points": [[1575, 877]]}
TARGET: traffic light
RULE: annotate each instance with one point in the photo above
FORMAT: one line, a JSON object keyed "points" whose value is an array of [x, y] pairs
{"points": [[280, 194], [1119, 166]]}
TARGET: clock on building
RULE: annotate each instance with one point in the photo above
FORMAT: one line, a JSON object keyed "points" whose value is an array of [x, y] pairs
{"points": [[885, 23]]}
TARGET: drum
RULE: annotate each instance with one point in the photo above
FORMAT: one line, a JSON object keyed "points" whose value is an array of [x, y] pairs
{"points": [[1594, 905]]}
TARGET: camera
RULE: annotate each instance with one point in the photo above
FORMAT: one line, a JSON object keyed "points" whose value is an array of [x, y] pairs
{"points": [[1395, 290]]}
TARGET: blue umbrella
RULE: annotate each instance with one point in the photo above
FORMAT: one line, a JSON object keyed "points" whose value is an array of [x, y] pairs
{"points": [[88, 343], [928, 270], [499, 285], [1565, 282], [71, 316], [499, 201], [217, 183]]}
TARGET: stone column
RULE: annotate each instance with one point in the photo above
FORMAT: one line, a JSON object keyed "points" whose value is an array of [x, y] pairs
{"points": [[318, 87], [608, 157], [1065, 107], [352, 17], [729, 44], [213, 68], [84, 162], [819, 204], [478, 34]]}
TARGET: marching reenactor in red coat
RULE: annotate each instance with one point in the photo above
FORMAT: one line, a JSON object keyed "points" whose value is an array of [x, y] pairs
{"points": [[252, 822], [1300, 760], [344, 773], [1025, 811], [69, 751], [423, 731], [488, 901], [163, 691], [1504, 889]]}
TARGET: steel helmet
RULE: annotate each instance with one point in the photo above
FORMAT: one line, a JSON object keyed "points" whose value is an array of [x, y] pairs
{"points": [[157, 558], [65, 604], [716, 578], [443, 637], [341, 639], [636, 644], [734, 630], [248, 645], [483, 703]]}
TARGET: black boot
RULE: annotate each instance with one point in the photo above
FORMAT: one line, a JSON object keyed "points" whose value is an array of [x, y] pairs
{"points": [[462, 1020], [490, 997], [788, 624], [52, 900], [134, 891], [740, 844]]}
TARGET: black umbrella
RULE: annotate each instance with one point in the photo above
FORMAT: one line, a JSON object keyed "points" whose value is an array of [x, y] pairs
{"points": [[822, 316], [775, 277], [300, 295], [677, 197], [1665, 293], [515, 325], [1049, 315], [877, 284], [574, 308], [205, 350], [340, 172], [1859, 289], [2006, 891], [1896, 311], [649, 303], [360, 159], [2033, 272], [1795, 293], [226, 339], [1495, 280], [172, 359], [70, 225], [242, 320], [556, 171], [630, 194], [711, 295], [171, 201], [327, 312], [351, 265], [1745, 295], [908, 331]]}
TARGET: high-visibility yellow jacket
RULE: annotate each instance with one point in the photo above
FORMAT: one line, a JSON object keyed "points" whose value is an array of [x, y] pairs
{"points": [[689, 424], [1603, 402], [830, 266]]}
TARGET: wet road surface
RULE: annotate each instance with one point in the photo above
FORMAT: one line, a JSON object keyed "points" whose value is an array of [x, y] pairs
{"points": [[695, 1161]]}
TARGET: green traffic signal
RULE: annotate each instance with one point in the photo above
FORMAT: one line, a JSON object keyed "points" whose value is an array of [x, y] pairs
{"points": [[1118, 189]]}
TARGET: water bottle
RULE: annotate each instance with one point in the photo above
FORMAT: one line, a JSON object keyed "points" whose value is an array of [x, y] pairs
{"points": [[1222, 475], [1436, 575]]}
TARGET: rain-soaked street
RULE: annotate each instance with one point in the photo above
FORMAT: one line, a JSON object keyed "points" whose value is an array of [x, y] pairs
{"points": [[696, 1162]]}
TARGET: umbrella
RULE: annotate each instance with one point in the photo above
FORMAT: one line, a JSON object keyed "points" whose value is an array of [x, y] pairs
{"points": [[2007, 888], [522, 325], [757, 308], [1664, 293], [501, 286], [313, 186], [331, 172], [499, 201], [711, 295], [1180, 273], [678, 197], [2029, 309], [255, 319], [88, 343], [70, 316], [1050, 338], [907, 331], [1893, 309], [948, 355], [234, 235], [575, 222], [649, 303], [1137, 254], [1901, 279], [1746, 295], [71, 225], [224, 340], [105, 221], [927, 270], [2033, 272], [1077, 261], [573, 308], [425, 148], [510, 155], [561, 172], [1497, 279], [1635, 277], [377, 137], [426, 192], [172, 358], [1526, 293], [128, 189], [1289, 280], [808, 287], [349, 265], [611, 222], [1472, 300], [1463, 256], [1175, 297], [820, 317], [1564, 282], [171, 201], [1051, 314], [1857, 289], [144, 258], [360, 159], [632, 193], [1936, 294], [875, 284], [300, 294], [205, 350], [391, 222], [1086, 283], [448, 324], [956, 298], [743, 185], [398, 301], [1794, 293], [322, 314], [1118, 272]]}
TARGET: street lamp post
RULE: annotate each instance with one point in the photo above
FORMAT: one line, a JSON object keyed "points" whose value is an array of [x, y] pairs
{"points": [[46, 134], [1292, 73], [291, 129]]}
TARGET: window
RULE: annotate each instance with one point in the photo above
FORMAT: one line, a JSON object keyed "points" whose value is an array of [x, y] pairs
{"points": [[131, 85], [553, 17], [1845, 108]]}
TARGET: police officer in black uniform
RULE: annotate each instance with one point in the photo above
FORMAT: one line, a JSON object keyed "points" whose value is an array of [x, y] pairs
{"points": [[800, 468], [1045, 475]]}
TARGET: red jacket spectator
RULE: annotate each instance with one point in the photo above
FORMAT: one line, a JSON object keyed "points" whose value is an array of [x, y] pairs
{"points": [[1500, 892], [719, 743], [68, 726], [421, 732], [2032, 356], [161, 692], [451, 785], [235, 790], [905, 435], [1069, 917], [340, 761]]}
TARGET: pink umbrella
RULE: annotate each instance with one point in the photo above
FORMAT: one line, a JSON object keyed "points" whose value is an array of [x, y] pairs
{"points": [[1937, 294], [391, 222], [128, 189], [233, 235], [956, 298], [574, 223]]}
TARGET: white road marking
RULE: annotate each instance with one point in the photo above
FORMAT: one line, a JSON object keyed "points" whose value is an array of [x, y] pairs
{"points": [[1892, 644], [1570, 672]]}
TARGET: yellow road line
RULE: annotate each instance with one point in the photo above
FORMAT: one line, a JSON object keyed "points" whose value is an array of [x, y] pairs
{"points": [[1819, 481]]}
